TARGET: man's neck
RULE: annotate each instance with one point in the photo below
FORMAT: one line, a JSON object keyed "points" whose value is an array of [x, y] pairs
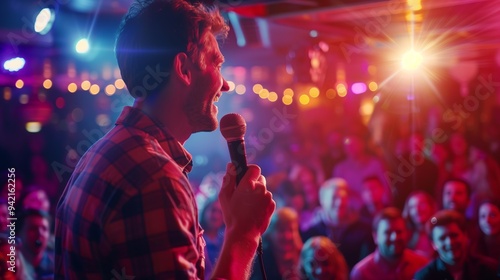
{"points": [[172, 120]]}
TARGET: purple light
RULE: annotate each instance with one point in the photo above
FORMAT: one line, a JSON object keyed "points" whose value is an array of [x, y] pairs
{"points": [[358, 88], [14, 64]]}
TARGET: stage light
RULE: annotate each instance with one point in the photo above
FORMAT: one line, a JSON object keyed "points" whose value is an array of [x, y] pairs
{"points": [[304, 99], [264, 94], [358, 88], [373, 86], [82, 46], [411, 60], [330, 93], [44, 21], [288, 91], [47, 84], [341, 90], [19, 84], [110, 90], [33, 127], [240, 89], [314, 92], [72, 87], [257, 88], [119, 84], [231, 85], [287, 99], [94, 89], [273, 96], [14, 64], [85, 85]]}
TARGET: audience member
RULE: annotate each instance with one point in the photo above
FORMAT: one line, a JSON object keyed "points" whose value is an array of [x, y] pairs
{"points": [[334, 153], [375, 198], [359, 165], [391, 259], [339, 221], [282, 245], [416, 171], [448, 231], [321, 260], [212, 222], [418, 209], [34, 197], [34, 232], [307, 179], [488, 241]]}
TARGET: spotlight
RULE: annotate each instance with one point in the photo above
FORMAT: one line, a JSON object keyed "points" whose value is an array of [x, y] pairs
{"points": [[44, 21], [82, 46], [411, 60], [14, 64]]}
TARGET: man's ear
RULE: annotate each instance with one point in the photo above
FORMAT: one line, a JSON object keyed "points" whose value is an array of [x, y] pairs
{"points": [[181, 68]]}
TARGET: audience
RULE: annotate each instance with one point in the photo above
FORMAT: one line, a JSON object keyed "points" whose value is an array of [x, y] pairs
{"points": [[418, 209], [358, 165], [36, 198], [34, 231], [375, 197], [340, 222], [212, 222], [321, 260], [391, 259], [282, 245], [488, 242], [448, 231]]}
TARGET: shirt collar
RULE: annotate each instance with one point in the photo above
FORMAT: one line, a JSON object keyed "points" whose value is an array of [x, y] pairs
{"points": [[134, 117]]}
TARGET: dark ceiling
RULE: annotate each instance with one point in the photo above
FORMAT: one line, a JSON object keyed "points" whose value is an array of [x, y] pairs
{"points": [[463, 29]]}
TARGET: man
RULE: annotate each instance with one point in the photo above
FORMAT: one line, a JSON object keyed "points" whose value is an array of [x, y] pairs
{"points": [[128, 210], [391, 259], [456, 195], [339, 222], [375, 197], [34, 231], [449, 238]]}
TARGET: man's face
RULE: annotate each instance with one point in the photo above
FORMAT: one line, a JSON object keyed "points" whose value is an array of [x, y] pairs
{"points": [[455, 196], [340, 205], [206, 87], [391, 238], [35, 234], [373, 194], [489, 219], [419, 209], [450, 242]]}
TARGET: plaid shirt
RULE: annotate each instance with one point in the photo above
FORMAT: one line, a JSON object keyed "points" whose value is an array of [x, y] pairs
{"points": [[128, 211]]}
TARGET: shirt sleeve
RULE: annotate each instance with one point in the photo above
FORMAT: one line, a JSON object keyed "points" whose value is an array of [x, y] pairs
{"points": [[157, 230]]}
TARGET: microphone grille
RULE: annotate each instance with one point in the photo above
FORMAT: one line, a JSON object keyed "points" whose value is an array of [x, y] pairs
{"points": [[233, 127]]}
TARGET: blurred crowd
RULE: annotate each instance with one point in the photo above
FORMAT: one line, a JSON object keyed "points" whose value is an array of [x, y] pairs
{"points": [[349, 207]]}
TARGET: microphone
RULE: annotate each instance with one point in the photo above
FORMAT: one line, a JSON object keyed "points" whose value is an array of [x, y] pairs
{"points": [[233, 128]]}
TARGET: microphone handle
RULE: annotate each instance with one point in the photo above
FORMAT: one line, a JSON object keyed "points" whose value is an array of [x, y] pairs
{"points": [[238, 158]]}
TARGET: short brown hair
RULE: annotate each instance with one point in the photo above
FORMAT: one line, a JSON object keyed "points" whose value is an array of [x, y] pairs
{"points": [[153, 32], [444, 218], [389, 214]]}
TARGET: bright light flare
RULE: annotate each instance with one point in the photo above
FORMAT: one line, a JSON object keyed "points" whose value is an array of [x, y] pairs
{"points": [[82, 46], [411, 60], [14, 64], [44, 21]]}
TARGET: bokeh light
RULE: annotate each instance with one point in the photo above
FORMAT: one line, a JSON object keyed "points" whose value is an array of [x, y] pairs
{"points": [[304, 99]]}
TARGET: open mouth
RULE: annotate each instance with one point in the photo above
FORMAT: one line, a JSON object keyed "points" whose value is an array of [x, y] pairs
{"points": [[216, 97]]}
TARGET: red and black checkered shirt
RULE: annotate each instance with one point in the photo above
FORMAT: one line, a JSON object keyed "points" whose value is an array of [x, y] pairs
{"points": [[128, 211]]}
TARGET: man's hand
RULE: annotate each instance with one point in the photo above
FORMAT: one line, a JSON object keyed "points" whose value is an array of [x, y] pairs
{"points": [[247, 208]]}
